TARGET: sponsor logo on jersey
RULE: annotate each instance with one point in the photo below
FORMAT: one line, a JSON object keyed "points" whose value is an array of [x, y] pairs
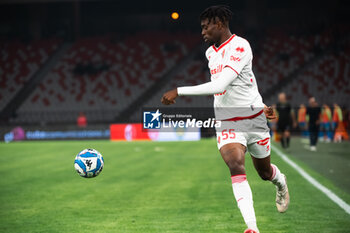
{"points": [[232, 58], [218, 69]]}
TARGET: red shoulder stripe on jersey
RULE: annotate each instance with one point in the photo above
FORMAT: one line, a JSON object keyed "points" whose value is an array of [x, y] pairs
{"points": [[231, 68], [223, 44], [245, 117]]}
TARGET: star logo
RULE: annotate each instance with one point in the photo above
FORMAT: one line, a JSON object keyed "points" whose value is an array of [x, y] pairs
{"points": [[156, 115]]}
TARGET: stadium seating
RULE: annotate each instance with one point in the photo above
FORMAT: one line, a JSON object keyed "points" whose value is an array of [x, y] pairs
{"points": [[327, 80], [102, 76], [279, 54], [127, 69], [196, 72], [18, 62], [327, 77]]}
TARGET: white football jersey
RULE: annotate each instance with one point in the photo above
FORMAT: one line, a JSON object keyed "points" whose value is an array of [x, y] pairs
{"points": [[237, 55]]}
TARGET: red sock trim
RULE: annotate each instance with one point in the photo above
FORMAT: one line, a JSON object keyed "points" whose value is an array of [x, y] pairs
{"points": [[273, 172], [238, 178], [250, 231]]}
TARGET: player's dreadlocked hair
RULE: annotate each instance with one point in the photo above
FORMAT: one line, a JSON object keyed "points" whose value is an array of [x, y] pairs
{"points": [[222, 12]]}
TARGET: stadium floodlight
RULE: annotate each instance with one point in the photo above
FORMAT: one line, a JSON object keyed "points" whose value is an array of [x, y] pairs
{"points": [[175, 15]]}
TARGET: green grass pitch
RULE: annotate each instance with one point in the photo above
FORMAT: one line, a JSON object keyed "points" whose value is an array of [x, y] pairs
{"points": [[148, 187]]}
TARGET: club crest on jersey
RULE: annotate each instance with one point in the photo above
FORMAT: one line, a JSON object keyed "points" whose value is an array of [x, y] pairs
{"points": [[240, 49], [218, 69]]}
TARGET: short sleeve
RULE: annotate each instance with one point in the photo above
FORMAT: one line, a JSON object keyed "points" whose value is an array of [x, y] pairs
{"points": [[238, 56]]}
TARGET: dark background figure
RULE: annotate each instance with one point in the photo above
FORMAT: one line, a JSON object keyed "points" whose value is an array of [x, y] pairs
{"points": [[314, 112], [286, 119], [326, 133]]}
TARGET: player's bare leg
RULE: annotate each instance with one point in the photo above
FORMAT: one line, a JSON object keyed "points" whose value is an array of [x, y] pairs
{"points": [[233, 155], [268, 171]]}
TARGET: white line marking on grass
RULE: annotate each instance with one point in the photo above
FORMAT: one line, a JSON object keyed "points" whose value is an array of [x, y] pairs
{"points": [[345, 206]]}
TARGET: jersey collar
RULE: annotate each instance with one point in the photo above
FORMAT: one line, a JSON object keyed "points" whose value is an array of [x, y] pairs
{"points": [[223, 44]]}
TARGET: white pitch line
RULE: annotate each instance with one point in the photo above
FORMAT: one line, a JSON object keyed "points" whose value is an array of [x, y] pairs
{"points": [[337, 200]]}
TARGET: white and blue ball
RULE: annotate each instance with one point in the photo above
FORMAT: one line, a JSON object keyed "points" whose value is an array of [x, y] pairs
{"points": [[88, 163]]}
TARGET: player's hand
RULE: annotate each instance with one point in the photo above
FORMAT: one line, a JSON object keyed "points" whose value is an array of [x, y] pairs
{"points": [[169, 97], [269, 113]]}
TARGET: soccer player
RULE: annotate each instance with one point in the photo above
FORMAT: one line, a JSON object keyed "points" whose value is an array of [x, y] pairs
{"points": [[234, 88], [285, 119]]}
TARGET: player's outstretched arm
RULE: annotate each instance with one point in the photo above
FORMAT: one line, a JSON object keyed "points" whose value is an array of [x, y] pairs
{"points": [[210, 88], [213, 87]]}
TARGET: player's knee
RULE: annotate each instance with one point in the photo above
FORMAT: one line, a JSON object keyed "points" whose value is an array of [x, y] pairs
{"points": [[236, 167], [234, 158]]}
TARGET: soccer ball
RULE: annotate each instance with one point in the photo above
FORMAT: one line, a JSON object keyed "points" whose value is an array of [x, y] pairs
{"points": [[88, 163]]}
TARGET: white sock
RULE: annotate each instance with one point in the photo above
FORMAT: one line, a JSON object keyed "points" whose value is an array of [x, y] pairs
{"points": [[244, 198], [277, 178]]}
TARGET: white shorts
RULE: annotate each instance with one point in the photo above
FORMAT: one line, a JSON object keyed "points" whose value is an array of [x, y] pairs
{"points": [[252, 133]]}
